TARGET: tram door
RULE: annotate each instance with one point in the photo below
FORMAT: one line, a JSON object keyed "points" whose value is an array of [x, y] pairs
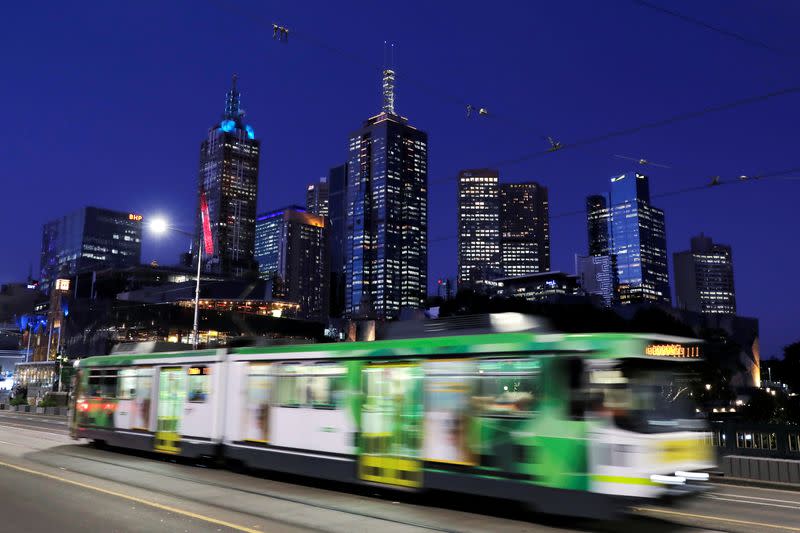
{"points": [[391, 433], [171, 397]]}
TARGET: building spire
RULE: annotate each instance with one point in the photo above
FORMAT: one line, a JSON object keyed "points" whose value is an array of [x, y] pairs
{"points": [[232, 100], [388, 78], [388, 91]]}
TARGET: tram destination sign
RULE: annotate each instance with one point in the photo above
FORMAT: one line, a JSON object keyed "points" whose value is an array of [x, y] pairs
{"points": [[673, 350]]}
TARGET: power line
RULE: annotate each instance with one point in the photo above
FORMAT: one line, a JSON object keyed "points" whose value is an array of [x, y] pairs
{"points": [[715, 182], [555, 145], [722, 31], [655, 124], [359, 59]]}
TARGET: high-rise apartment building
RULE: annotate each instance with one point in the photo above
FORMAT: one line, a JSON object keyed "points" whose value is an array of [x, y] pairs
{"points": [[386, 248], [704, 278], [524, 229], [228, 176], [478, 225], [291, 252], [89, 238], [635, 234], [317, 197]]}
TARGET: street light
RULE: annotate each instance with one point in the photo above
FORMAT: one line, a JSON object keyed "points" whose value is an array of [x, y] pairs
{"points": [[160, 226]]}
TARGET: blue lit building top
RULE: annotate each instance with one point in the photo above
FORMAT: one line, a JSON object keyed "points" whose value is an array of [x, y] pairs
{"points": [[233, 119]]}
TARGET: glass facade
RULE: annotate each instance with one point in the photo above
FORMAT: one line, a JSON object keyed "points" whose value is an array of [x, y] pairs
{"points": [[597, 216], [291, 251], [89, 239], [337, 217], [229, 159], [597, 275], [704, 278], [635, 235], [386, 248], [478, 225], [524, 229], [317, 195]]}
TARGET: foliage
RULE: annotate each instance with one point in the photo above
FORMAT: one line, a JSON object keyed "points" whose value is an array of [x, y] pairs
{"points": [[765, 408], [19, 400], [48, 401], [790, 366]]}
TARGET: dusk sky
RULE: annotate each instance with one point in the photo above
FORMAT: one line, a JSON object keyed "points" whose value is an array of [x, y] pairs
{"points": [[106, 104]]}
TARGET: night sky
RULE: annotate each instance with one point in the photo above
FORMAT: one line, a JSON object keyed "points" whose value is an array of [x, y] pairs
{"points": [[106, 103]]}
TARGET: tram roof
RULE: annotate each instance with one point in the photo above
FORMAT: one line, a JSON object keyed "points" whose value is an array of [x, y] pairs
{"points": [[599, 345]]}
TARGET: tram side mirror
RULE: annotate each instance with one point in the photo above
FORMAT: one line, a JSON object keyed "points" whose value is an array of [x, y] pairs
{"points": [[577, 394]]}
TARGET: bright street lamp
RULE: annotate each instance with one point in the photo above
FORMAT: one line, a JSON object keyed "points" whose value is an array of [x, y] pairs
{"points": [[160, 226]]}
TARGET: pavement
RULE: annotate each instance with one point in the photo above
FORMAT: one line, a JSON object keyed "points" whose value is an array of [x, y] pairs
{"points": [[49, 482]]}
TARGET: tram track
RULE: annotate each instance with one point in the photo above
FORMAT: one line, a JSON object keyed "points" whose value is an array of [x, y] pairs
{"points": [[142, 470], [226, 486]]}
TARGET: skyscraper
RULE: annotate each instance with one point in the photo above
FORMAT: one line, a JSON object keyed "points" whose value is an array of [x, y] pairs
{"points": [[386, 249], [704, 278], [317, 197], [291, 251], [636, 236], [337, 217], [228, 175], [89, 238], [597, 275], [478, 225], [524, 229], [597, 218]]}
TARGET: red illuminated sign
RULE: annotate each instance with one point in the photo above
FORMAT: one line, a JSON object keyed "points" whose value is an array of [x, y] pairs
{"points": [[208, 241]]}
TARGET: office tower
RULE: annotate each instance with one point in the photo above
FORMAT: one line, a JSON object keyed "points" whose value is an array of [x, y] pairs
{"points": [[635, 235], [89, 238], [337, 218], [524, 229], [290, 250], [704, 278], [478, 225], [317, 197], [597, 275], [597, 218], [229, 177], [386, 249]]}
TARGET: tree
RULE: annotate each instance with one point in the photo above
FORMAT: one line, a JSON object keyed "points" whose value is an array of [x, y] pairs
{"points": [[790, 366]]}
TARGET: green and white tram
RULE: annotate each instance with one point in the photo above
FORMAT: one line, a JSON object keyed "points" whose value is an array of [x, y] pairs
{"points": [[576, 424]]}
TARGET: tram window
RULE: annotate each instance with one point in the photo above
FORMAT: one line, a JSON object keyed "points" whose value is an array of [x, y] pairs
{"points": [[292, 388], [103, 383], [318, 386], [126, 380], [507, 387], [95, 384], [326, 386], [199, 377]]}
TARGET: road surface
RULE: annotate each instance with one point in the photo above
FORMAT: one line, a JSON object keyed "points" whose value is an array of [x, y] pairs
{"points": [[49, 482]]}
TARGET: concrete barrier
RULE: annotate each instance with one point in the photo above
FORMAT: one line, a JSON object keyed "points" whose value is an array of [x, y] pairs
{"points": [[761, 469], [49, 411]]}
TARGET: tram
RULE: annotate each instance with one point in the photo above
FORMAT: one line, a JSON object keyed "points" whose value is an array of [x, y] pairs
{"points": [[572, 424]]}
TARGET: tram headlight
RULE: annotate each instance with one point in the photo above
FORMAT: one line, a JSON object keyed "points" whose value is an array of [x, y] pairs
{"points": [[692, 476]]}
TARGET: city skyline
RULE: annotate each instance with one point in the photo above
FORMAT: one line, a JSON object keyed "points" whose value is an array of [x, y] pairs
{"points": [[165, 174]]}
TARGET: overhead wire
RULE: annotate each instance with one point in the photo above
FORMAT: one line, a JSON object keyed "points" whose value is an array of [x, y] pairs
{"points": [[555, 145], [715, 182], [717, 29]]}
